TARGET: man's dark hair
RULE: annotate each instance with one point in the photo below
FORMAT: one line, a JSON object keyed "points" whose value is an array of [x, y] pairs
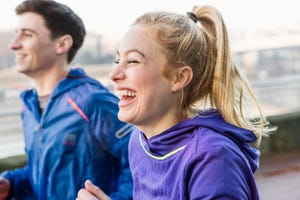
{"points": [[59, 19]]}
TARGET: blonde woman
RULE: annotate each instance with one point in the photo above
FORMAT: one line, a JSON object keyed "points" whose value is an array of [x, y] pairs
{"points": [[178, 84]]}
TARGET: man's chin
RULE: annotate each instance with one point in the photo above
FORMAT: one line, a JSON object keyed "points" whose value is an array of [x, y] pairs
{"points": [[20, 68]]}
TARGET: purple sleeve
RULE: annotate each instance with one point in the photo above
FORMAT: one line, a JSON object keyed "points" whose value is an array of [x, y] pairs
{"points": [[220, 173]]}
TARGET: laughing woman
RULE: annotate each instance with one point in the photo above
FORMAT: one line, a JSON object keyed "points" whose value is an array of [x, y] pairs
{"points": [[178, 84]]}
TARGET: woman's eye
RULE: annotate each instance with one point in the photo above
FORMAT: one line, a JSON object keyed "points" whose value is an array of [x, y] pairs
{"points": [[116, 61], [132, 61]]}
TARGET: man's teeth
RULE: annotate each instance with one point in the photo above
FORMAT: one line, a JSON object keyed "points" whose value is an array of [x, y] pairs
{"points": [[126, 93]]}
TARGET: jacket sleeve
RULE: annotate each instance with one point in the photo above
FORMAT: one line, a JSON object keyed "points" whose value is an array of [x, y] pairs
{"points": [[114, 135], [220, 173], [20, 183]]}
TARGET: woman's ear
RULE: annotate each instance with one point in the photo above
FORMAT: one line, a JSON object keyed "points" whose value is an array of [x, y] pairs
{"points": [[64, 44], [182, 77]]}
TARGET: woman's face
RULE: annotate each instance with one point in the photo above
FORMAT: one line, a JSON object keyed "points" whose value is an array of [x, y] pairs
{"points": [[146, 97]]}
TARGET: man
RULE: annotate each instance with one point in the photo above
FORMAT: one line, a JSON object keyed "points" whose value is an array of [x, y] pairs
{"points": [[70, 120]]}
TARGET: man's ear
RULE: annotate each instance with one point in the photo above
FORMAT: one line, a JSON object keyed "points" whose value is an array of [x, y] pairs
{"points": [[64, 44], [182, 77]]}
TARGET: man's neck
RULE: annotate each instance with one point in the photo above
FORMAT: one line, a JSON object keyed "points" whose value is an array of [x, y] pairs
{"points": [[45, 85]]}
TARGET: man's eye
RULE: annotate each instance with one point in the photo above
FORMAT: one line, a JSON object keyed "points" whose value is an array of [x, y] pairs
{"points": [[26, 35], [116, 62]]}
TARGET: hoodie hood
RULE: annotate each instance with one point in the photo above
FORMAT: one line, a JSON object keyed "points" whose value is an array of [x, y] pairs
{"points": [[178, 135]]}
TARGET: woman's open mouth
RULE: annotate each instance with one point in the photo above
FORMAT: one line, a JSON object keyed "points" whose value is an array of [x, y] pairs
{"points": [[126, 97]]}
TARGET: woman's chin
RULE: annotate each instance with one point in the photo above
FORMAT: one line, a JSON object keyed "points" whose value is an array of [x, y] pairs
{"points": [[124, 116]]}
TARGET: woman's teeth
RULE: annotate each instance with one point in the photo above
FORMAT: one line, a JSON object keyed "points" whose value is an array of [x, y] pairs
{"points": [[126, 93]]}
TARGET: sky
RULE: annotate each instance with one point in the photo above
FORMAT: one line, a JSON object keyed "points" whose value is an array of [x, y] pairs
{"points": [[112, 18]]}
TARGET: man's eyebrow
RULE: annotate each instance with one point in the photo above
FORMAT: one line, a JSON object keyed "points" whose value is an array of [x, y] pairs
{"points": [[28, 29]]}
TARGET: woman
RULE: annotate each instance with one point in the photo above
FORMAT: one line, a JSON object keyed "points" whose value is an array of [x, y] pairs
{"points": [[178, 84]]}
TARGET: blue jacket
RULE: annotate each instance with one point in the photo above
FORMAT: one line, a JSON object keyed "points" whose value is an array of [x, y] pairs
{"points": [[77, 137]]}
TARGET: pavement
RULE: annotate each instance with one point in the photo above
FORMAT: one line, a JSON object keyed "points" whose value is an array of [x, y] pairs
{"points": [[278, 177]]}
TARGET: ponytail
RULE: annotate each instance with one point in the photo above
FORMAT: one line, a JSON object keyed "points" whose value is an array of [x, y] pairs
{"points": [[230, 92]]}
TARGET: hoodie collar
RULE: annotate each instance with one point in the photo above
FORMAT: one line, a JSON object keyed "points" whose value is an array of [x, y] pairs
{"points": [[177, 136]]}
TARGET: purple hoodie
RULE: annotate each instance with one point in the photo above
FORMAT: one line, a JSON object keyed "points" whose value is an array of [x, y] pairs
{"points": [[200, 158]]}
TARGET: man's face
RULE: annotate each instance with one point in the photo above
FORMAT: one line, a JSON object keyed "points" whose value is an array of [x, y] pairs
{"points": [[35, 50]]}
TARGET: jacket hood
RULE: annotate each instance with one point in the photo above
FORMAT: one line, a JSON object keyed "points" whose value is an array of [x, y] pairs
{"points": [[76, 77], [212, 120]]}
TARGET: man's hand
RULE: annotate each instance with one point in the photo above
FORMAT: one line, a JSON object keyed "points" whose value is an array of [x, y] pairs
{"points": [[91, 192], [5, 187]]}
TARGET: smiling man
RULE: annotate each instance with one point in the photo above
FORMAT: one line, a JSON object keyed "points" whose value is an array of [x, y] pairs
{"points": [[71, 130]]}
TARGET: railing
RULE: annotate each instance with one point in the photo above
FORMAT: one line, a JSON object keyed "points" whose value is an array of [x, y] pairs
{"points": [[11, 135], [278, 96]]}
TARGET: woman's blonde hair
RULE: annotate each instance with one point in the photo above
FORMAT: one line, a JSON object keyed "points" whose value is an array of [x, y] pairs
{"points": [[200, 40]]}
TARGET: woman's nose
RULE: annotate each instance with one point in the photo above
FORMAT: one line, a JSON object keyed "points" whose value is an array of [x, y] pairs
{"points": [[117, 73]]}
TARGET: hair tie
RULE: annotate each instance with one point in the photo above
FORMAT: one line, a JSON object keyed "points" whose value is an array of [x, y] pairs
{"points": [[192, 16]]}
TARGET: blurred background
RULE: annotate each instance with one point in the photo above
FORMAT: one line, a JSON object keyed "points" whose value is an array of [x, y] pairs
{"points": [[265, 39]]}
